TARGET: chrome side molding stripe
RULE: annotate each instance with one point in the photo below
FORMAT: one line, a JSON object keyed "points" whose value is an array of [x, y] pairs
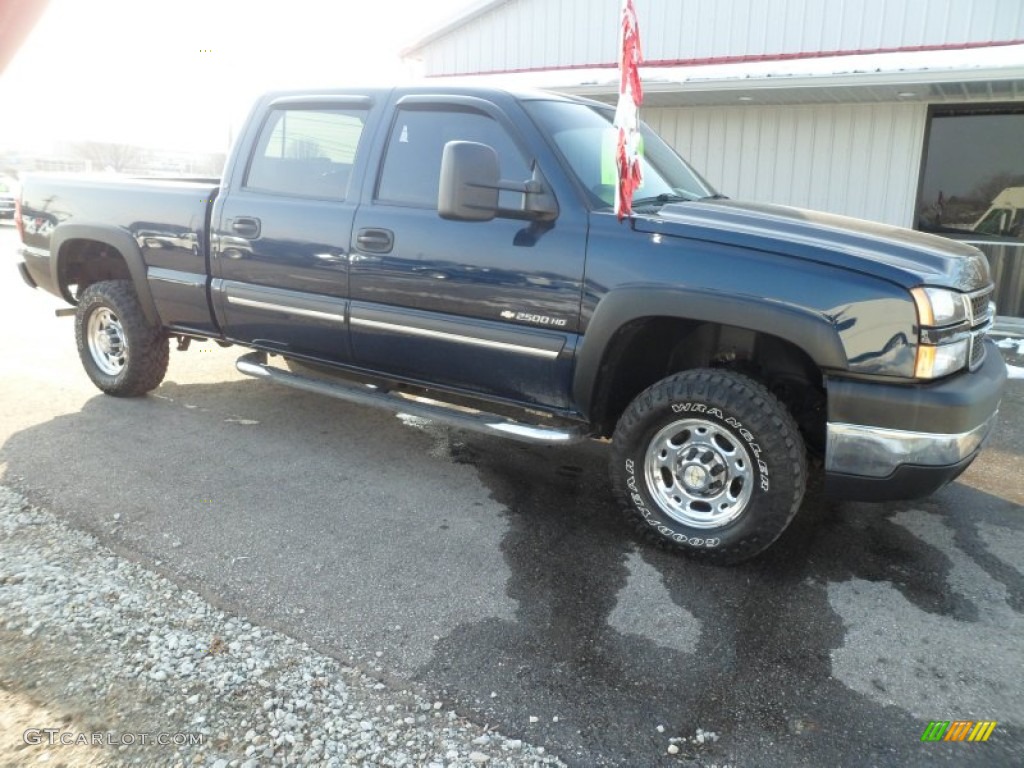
{"points": [[286, 309], [550, 354], [177, 277]]}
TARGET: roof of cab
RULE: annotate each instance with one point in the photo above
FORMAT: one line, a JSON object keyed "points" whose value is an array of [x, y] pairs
{"points": [[441, 89]]}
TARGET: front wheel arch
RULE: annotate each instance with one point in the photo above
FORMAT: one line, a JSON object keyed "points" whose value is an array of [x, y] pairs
{"points": [[623, 310]]}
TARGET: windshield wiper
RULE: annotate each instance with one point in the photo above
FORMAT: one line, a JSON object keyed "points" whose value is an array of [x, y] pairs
{"points": [[715, 196]]}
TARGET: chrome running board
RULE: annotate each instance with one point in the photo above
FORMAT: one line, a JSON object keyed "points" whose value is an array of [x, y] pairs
{"points": [[255, 364]]}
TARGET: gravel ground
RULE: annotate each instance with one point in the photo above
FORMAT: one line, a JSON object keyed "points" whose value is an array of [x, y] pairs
{"points": [[91, 643]]}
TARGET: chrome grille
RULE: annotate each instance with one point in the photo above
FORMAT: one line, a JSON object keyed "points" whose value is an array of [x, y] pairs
{"points": [[977, 350], [982, 311], [979, 306]]}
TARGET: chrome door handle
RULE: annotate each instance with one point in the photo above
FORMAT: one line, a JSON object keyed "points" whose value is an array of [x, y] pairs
{"points": [[246, 226], [375, 240]]}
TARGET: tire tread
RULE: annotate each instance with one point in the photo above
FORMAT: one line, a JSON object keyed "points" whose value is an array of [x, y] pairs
{"points": [[148, 348], [724, 386]]}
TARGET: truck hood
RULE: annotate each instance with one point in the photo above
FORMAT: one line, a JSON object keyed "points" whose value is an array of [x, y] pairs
{"points": [[902, 256]]}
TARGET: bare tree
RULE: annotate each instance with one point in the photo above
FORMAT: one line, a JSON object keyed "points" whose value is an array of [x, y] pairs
{"points": [[985, 192], [108, 155]]}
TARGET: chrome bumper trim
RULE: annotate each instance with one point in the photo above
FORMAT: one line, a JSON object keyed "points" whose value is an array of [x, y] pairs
{"points": [[855, 449]]}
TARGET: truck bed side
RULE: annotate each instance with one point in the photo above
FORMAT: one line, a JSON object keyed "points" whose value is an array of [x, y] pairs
{"points": [[155, 232]]}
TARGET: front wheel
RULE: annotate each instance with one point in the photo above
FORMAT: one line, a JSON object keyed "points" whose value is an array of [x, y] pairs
{"points": [[711, 463], [121, 351]]}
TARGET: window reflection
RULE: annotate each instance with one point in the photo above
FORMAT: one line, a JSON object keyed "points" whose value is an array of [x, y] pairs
{"points": [[973, 181], [306, 152]]}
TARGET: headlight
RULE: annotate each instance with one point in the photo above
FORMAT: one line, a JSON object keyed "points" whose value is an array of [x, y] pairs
{"points": [[937, 307], [944, 343]]}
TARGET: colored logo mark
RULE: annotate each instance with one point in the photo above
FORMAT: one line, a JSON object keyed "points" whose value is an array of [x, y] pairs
{"points": [[959, 730]]}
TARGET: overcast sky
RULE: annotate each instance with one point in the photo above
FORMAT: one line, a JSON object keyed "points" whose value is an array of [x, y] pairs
{"points": [[138, 71]]}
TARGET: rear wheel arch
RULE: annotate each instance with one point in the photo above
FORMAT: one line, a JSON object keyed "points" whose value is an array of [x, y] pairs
{"points": [[84, 254]]}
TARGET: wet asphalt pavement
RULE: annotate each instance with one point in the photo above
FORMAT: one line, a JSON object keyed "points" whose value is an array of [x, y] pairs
{"points": [[502, 578]]}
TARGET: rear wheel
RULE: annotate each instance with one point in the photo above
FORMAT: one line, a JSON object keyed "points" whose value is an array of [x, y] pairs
{"points": [[711, 463], [123, 353]]}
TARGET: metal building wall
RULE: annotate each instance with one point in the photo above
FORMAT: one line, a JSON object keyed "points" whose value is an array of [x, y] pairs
{"points": [[858, 160], [531, 34]]}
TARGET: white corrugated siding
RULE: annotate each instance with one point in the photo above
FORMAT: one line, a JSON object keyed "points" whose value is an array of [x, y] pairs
{"points": [[526, 34], [530, 34], [858, 160]]}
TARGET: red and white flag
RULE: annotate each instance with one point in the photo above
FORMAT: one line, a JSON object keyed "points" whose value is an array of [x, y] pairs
{"points": [[627, 113]]}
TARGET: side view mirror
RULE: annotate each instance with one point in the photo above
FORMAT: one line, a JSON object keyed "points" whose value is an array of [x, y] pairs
{"points": [[470, 183], [470, 179]]}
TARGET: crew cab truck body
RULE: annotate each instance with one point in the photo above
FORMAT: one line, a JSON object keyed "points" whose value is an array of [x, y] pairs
{"points": [[427, 248]]}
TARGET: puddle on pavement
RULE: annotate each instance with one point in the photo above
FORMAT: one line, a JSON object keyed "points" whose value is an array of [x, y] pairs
{"points": [[614, 637]]}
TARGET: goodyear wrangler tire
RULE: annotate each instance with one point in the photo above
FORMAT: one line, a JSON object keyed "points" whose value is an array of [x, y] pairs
{"points": [[709, 462], [121, 351]]}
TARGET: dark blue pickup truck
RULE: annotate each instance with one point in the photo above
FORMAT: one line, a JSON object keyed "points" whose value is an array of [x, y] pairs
{"points": [[453, 253]]}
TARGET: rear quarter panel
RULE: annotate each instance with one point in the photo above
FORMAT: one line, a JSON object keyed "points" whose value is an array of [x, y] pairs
{"points": [[166, 221]]}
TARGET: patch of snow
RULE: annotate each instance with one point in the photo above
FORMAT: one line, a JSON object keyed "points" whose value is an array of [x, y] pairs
{"points": [[1015, 344]]}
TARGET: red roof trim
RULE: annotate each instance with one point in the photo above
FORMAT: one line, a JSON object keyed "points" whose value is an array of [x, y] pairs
{"points": [[753, 58]]}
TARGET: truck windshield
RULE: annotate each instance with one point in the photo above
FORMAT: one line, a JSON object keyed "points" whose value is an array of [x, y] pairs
{"points": [[584, 135]]}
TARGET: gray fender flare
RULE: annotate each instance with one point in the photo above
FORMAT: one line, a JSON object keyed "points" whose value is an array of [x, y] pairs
{"points": [[117, 238], [802, 327]]}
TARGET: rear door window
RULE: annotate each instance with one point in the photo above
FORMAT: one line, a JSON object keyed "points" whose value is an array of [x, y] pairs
{"points": [[306, 153]]}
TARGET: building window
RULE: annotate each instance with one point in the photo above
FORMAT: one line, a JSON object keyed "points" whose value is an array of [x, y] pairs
{"points": [[306, 153], [972, 184], [972, 189]]}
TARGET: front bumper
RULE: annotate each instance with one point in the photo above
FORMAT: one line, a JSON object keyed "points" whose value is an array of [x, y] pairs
{"points": [[898, 442]]}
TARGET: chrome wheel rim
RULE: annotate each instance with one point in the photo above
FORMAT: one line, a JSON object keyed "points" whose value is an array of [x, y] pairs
{"points": [[699, 473], [108, 346]]}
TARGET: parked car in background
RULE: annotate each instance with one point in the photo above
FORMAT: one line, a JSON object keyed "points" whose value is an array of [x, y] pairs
{"points": [[1005, 217], [8, 193]]}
